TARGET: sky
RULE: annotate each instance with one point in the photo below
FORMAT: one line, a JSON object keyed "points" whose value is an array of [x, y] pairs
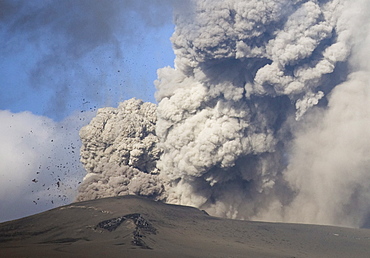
{"points": [[59, 62]]}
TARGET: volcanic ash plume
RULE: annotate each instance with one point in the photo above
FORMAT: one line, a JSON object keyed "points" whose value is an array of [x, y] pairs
{"points": [[243, 70], [249, 77], [119, 152]]}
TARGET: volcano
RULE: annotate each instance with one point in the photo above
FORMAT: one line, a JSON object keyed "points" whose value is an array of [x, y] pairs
{"points": [[132, 226]]}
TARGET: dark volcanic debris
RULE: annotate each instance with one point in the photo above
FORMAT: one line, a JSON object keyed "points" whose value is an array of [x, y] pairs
{"points": [[142, 227]]}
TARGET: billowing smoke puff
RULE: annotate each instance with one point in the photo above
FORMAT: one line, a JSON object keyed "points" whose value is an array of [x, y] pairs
{"points": [[239, 114], [243, 71], [119, 152]]}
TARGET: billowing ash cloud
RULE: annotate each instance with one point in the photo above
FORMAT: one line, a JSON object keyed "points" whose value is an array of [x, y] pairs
{"points": [[243, 72], [249, 122], [330, 163], [119, 151]]}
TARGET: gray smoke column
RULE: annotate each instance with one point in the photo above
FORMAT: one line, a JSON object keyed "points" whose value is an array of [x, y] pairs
{"points": [[330, 162], [244, 71], [244, 119]]}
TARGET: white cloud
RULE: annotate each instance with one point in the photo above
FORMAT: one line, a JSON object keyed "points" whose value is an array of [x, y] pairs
{"points": [[39, 162]]}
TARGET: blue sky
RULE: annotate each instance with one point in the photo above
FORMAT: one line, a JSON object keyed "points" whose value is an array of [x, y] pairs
{"points": [[46, 69], [59, 62]]}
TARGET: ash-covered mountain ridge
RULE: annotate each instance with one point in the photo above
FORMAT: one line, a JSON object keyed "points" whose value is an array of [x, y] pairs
{"points": [[132, 226]]}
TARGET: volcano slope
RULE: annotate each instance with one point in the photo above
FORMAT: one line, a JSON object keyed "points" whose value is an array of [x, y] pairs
{"points": [[132, 226]]}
